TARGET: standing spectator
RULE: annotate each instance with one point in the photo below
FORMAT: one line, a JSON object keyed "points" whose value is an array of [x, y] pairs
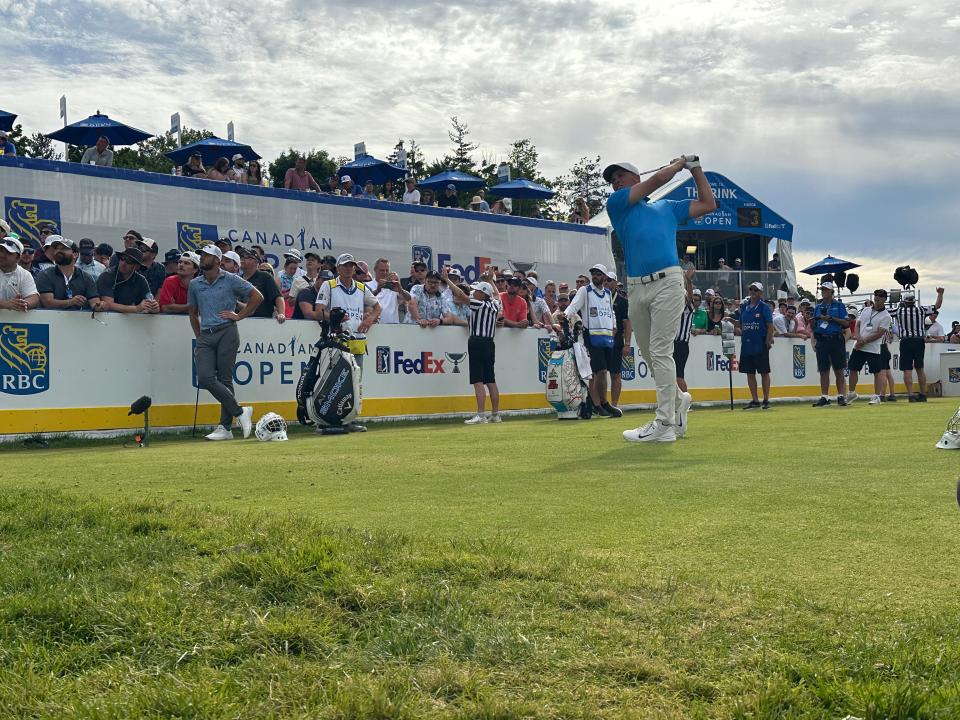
{"points": [[219, 170], [550, 295], [698, 319], [102, 254], [830, 318], [481, 350], [237, 172], [458, 307], [785, 324], [427, 307], [299, 178], [428, 198], [86, 262], [171, 260], [386, 287], [7, 148], [308, 275], [130, 240], [153, 271], [418, 272], [449, 198], [873, 324], [230, 262], [26, 258], [580, 213], [98, 154], [622, 336], [802, 319], [266, 285], [46, 258], [291, 271], [212, 300], [194, 167], [305, 306], [61, 285], [540, 316], [935, 332], [756, 339], [174, 295], [18, 291], [124, 289], [716, 311], [595, 306], [513, 307], [910, 320], [254, 174], [774, 264], [411, 196], [954, 336]]}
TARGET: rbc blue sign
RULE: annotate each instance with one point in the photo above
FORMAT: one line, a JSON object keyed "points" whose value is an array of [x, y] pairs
{"points": [[192, 236], [24, 214], [24, 359]]}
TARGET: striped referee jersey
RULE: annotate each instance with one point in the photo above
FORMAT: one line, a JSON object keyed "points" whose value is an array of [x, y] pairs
{"points": [[686, 324], [910, 320], [483, 317]]}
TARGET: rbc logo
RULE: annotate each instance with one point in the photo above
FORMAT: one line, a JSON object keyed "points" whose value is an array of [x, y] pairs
{"points": [[24, 214], [192, 236], [24, 359], [799, 362]]}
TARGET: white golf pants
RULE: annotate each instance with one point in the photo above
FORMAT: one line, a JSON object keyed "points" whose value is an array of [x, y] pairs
{"points": [[655, 310]]}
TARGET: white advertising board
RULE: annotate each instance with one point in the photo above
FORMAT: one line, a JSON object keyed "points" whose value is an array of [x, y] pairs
{"points": [[66, 371]]}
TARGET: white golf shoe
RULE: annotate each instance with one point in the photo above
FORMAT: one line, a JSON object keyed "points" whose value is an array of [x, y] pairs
{"points": [[221, 433], [686, 400], [476, 420], [246, 421], [653, 431]]}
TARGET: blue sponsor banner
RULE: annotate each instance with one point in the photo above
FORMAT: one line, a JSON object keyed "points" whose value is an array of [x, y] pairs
{"points": [[192, 236], [799, 361], [24, 358], [545, 347], [25, 214], [628, 366], [422, 253]]}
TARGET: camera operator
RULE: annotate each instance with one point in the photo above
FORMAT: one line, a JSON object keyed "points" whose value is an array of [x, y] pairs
{"points": [[829, 322]]}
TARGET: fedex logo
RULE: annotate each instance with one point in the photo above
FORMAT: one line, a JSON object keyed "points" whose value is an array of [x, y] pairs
{"points": [[471, 273], [426, 364]]}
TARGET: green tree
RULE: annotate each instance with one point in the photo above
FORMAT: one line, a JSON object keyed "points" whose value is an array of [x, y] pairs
{"points": [[415, 162], [37, 145], [584, 179], [151, 155], [524, 161], [319, 164], [462, 157]]}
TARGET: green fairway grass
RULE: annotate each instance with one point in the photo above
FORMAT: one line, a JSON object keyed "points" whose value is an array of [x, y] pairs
{"points": [[788, 563]]}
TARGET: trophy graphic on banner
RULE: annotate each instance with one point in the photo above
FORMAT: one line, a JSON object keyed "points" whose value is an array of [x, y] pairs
{"points": [[456, 359], [521, 265]]}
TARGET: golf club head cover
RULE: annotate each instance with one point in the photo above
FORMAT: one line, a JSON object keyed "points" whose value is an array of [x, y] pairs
{"points": [[692, 161]]}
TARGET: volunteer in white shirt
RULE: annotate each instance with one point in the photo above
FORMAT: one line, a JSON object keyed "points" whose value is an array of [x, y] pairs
{"points": [[872, 325], [594, 303], [18, 291]]}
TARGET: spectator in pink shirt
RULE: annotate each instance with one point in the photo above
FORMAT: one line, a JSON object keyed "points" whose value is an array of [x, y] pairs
{"points": [[297, 177], [803, 326]]}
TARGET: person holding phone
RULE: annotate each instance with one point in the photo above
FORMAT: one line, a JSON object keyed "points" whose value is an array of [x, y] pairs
{"points": [[386, 287], [829, 322]]}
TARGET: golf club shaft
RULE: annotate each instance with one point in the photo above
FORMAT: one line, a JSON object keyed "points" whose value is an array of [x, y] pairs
{"points": [[196, 405]]}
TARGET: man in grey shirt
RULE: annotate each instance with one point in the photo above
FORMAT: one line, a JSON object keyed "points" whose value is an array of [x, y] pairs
{"points": [[99, 154], [212, 300]]}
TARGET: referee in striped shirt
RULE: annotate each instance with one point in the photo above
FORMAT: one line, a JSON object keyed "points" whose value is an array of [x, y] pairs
{"points": [[910, 317], [481, 351], [681, 342]]}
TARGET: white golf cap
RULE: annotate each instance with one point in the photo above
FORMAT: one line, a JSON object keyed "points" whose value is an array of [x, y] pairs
{"points": [[508, 204], [4, 226], [611, 274], [629, 167], [238, 156], [293, 254], [211, 249], [484, 287], [345, 178], [192, 257], [532, 281], [710, 292], [599, 268], [230, 255], [696, 291], [456, 273], [11, 244], [828, 286], [756, 286], [51, 239], [345, 259]]}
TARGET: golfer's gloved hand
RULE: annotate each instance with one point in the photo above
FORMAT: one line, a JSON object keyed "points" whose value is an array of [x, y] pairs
{"points": [[692, 161]]}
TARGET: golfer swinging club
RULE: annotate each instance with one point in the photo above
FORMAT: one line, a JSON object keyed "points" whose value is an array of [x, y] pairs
{"points": [[655, 281], [212, 302]]}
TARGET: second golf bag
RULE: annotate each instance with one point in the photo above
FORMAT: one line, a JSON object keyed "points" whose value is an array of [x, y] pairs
{"points": [[566, 390], [328, 394]]}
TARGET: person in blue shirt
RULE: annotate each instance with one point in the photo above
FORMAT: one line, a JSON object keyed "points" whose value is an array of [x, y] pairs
{"points": [[829, 343], [655, 282], [9, 149], [756, 339]]}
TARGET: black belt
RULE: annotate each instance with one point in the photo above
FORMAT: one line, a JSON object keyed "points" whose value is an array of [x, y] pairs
{"points": [[830, 336], [652, 277]]}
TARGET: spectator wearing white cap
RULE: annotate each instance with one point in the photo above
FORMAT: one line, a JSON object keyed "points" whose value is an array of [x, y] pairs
{"points": [[213, 298], [18, 291], [594, 303], [699, 317], [449, 198], [231, 262], [411, 196], [174, 291], [299, 178], [238, 171], [288, 275], [457, 306], [153, 271], [62, 286], [46, 258], [348, 187], [655, 281], [7, 148], [99, 154]]}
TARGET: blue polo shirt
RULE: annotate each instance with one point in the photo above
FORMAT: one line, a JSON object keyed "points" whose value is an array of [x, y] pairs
{"points": [[834, 309], [9, 148], [211, 298], [754, 321], [647, 231]]}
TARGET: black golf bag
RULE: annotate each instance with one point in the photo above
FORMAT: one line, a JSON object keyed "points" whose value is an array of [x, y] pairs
{"points": [[328, 393]]}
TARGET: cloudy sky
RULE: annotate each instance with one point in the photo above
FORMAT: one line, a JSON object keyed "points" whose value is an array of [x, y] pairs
{"points": [[842, 116]]}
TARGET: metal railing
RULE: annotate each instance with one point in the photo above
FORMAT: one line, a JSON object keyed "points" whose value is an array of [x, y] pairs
{"points": [[734, 283]]}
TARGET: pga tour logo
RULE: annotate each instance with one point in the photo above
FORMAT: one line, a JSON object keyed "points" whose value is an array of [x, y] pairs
{"points": [[426, 363], [24, 359]]}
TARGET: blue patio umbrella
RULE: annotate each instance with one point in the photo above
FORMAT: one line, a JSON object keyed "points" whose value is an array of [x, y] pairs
{"points": [[370, 168], [830, 264], [6, 120], [86, 132], [463, 181], [522, 189], [212, 149]]}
